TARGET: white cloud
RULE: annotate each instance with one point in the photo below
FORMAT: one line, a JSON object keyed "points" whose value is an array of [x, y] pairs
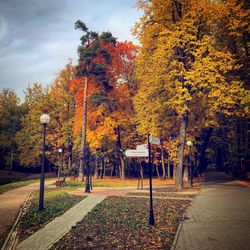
{"points": [[38, 37], [3, 27]]}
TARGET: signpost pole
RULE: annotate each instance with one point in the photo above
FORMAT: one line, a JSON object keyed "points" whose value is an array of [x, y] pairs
{"points": [[151, 211]]}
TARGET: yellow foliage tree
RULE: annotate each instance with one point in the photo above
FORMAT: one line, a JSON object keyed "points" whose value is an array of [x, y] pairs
{"points": [[182, 72]]}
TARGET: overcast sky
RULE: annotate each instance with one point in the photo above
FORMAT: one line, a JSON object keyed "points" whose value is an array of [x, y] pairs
{"points": [[37, 37]]}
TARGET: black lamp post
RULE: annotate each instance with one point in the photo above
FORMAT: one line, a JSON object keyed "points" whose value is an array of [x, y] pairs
{"points": [[151, 211], [190, 144], [44, 119], [59, 163], [87, 162]]}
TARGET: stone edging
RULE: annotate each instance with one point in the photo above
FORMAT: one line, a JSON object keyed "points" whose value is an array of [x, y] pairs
{"points": [[184, 218], [11, 238], [177, 235]]}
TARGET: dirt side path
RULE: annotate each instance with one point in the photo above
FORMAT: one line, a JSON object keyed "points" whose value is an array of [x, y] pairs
{"points": [[10, 204]]}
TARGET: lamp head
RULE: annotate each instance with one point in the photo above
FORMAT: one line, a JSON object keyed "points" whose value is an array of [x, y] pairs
{"points": [[189, 143], [44, 119]]}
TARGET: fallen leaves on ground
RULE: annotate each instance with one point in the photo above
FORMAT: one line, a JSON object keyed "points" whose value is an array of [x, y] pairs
{"points": [[123, 223], [116, 182], [159, 194]]}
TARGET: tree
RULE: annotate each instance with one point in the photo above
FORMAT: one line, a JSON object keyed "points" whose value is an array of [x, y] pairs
{"points": [[11, 113], [63, 113], [29, 138], [92, 64], [183, 75], [110, 108]]}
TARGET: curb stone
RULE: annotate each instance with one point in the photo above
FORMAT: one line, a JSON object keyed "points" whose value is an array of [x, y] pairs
{"points": [[184, 218], [46, 237]]}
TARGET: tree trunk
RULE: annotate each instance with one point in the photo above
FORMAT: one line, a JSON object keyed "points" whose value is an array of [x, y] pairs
{"points": [[169, 173], [112, 170], [102, 168], [122, 169], [174, 171], [185, 174], [201, 158], [96, 169], [157, 171], [140, 178], [84, 129], [163, 162], [69, 164], [182, 139], [119, 152]]}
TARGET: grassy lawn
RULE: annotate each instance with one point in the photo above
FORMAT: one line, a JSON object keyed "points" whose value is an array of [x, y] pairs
{"points": [[74, 184], [116, 182], [122, 223], [56, 202], [14, 185]]}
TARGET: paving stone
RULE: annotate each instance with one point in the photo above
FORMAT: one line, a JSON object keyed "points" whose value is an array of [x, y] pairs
{"points": [[218, 218], [52, 232]]}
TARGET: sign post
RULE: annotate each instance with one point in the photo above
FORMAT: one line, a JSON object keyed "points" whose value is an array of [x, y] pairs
{"points": [[136, 153], [151, 211], [154, 140]]}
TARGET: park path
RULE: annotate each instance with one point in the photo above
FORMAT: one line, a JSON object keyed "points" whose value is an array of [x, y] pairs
{"points": [[219, 217], [10, 204], [52, 232]]}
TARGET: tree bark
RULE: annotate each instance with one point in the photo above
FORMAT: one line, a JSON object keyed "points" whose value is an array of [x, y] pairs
{"points": [[119, 152], [163, 162], [182, 139], [102, 168], [185, 174], [201, 158], [169, 173], [157, 171], [122, 168], [84, 129]]}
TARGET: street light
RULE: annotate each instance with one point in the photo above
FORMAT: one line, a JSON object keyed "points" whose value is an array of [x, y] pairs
{"points": [[151, 211], [44, 119], [190, 144], [59, 164]]}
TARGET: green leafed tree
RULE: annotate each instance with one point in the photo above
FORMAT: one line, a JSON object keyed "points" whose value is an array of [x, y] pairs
{"points": [[11, 113], [92, 69], [29, 138]]}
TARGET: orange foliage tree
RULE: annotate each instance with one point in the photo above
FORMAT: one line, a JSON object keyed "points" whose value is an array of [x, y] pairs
{"points": [[110, 107]]}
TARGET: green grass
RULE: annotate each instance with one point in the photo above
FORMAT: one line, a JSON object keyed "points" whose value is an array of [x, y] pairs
{"points": [[74, 184], [14, 185], [56, 202]]}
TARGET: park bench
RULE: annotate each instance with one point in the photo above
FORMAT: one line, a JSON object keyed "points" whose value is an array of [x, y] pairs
{"points": [[61, 183]]}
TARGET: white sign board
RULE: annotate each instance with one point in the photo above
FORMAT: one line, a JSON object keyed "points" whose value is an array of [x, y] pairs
{"points": [[136, 153], [154, 140], [142, 147]]}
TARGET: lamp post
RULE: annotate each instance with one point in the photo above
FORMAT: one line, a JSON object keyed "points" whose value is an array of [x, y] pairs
{"points": [[59, 164], [190, 144], [44, 119], [151, 211]]}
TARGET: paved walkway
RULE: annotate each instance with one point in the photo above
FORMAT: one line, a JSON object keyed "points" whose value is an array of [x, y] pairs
{"points": [[219, 218], [11, 202], [52, 232]]}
